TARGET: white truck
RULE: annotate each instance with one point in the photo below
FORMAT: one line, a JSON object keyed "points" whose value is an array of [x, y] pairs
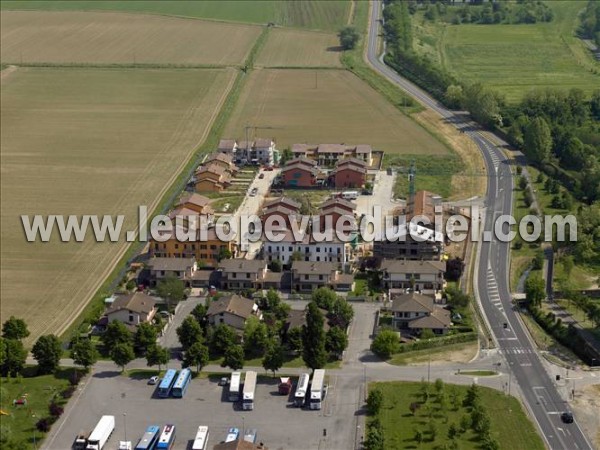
{"points": [[101, 433], [316, 389], [248, 392], [234, 386], [301, 388]]}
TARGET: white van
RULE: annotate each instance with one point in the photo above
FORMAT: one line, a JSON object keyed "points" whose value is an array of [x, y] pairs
{"points": [[350, 195]]}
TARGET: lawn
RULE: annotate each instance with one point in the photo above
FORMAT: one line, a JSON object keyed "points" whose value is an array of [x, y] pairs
{"points": [[462, 352], [509, 423], [515, 58], [329, 15], [300, 48], [39, 390], [114, 38], [89, 141], [326, 106]]}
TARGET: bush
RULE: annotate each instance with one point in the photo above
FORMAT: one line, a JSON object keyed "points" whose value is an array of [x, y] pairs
{"points": [[68, 392], [55, 409], [385, 344], [43, 425]]}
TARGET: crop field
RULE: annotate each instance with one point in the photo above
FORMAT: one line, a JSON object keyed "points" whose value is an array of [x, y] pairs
{"points": [[105, 37], [300, 48], [516, 58], [324, 15], [89, 141], [326, 106]]}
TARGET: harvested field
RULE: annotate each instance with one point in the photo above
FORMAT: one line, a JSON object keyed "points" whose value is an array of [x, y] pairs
{"points": [[116, 38], [89, 141], [326, 106], [299, 48], [324, 15]]}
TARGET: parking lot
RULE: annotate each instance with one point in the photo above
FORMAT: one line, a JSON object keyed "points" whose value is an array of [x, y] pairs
{"points": [[279, 425]]}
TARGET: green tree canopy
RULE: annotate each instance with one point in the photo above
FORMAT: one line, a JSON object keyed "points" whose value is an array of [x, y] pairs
{"points": [[336, 341], [15, 328], [84, 353], [537, 140], [196, 355], [189, 332], [157, 356], [116, 333], [385, 344], [234, 357], [122, 354], [324, 298], [171, 289], [349, 37], [222, 337], [47, 351], [535, 290], [145, 337], [14, 361], [313, 338], [256, 337], [273, 359]]}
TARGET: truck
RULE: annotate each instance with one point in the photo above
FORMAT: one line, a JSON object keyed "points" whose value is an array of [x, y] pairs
{"points": [[316, 389], [301, 389], [248, 392], [285, 385], [234, 386], [80, 441], [101, 433]]}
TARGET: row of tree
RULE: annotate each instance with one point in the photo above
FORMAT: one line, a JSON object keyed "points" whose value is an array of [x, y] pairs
{"points": [[590, 22]]}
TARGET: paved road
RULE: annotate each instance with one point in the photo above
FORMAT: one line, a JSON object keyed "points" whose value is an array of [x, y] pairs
{"points": [[492, 272]]}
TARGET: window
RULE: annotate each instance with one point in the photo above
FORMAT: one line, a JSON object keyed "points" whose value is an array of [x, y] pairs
{"points": [[290, 249], [131, 318], [248, 275], [306, 277], [213, 247], [233, 275], [176, 246], [320, 277], [203, 247], [318, 249]]}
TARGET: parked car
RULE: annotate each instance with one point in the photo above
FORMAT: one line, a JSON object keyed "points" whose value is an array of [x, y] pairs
{"points": [[567, 417], [250, 435], [232, 435], [261, 176], [224, 381], [153, 380], [253, 192]]}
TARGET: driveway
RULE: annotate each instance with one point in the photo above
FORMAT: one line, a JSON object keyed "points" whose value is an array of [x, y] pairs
{"points": [[383, 190], [184, 308]]}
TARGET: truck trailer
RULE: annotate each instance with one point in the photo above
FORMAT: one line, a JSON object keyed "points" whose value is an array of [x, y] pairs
{"points": [[248, 392], [316, 389], [101, 433]]}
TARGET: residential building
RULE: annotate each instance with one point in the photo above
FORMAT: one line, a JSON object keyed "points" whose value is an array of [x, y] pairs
{"points": [[242, 273], [326, 155], [206, 247], [338, 202], [227, 146], [422, 204], [426, 277], [411, 241], [284, 208], [349, 173], [181, 268], [415, 312], [222, 160], [307, 248], [132, 310], [212, 178], [300, 172], [195, 202], [308, 276], [260, 151], [336, 209], [232, 310]]}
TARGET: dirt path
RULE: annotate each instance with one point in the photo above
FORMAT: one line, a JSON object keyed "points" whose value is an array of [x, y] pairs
{"points": [[5, 74], [350, 13]]}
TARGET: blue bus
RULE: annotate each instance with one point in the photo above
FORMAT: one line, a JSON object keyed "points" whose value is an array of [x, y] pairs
{"points": [[167, 438], [149, 439], [182, 383], [164, 388]]}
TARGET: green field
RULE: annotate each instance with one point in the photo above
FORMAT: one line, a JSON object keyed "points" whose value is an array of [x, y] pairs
{"points": [[324, 15], [514, 58], [509, 424]]}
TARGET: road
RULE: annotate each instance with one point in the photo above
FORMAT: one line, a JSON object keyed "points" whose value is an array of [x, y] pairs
{"points": [[491, 279]]}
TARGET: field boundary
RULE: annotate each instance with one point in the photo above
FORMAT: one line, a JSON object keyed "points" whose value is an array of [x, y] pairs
{"points": [[117, 269], [121, 66]]}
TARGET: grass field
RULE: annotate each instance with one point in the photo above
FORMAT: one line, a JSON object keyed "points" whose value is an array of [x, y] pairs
{"points": [[509, 424], [300, 48], [515, 58], [326, 106], [101, 38], [326, 15], [89, 141]]}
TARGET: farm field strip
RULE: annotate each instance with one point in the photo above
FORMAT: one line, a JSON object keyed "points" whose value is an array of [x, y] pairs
{"points": [[326, 106], [300, 48], [117, 38], [98, 142], [328, 15]]}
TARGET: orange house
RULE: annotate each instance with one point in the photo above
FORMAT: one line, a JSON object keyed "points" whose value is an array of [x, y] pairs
{"points": [[300, 172], [212, 178], [350, 173]]}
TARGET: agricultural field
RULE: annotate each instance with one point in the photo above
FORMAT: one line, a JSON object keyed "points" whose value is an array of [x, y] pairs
{"points": [[116, 38], [325, 15], [326, 106], [514, 59], [300, 48], [89, 141]]}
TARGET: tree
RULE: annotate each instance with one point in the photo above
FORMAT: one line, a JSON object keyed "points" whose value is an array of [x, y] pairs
{"points": [[157, 356], [454, 269], [294, 339], [324, 298], [537, 140], [452, 431], [273, 359], [15, 358], [341, 313], [84, 353], [275, 266], [189, 332], [145, 337], [374, 401], [122, 354], [418, 436], [375, 439], [472, 398], [313, 338], [199, 313], [224, 253], [196, 355], [234, 357], [2, 351], [47, 351], [256, 337], [336, 341], [296, 255], [535, 290], [222, 338], [426, 333], [15, 328], [349, 37], [171, 289], [454, 96], [116, 333], [385, 344]]}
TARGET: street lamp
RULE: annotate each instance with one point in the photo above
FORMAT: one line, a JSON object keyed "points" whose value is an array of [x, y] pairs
{"points": [[125, 425]]}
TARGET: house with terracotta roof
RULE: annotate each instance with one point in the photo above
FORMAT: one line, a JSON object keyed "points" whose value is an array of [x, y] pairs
{"points": [[327, 155], [195, 202], [284, 209], [300, 173], [308, 276], [242, 273], [423, 203], [212, 178], [222, 160], [227, 146], [415, 312], [180, 268], [232, 310], [349, 173], [132, 310], [335, 209], [423, 276], [339, 202]]}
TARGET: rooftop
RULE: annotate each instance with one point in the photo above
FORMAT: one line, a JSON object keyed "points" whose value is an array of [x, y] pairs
{"points": [[136, 302], [309, 267], [174, 264], [242, 265], [413, 302], [233, 304], [407, 266]]}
